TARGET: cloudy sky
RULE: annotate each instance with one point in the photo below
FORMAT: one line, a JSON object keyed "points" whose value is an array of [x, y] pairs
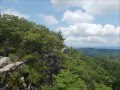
{"points": [[84, 23]]}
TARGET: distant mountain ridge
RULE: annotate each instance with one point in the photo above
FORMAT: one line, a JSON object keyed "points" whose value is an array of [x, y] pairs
{"points": [[102, 47], [106, 53]]}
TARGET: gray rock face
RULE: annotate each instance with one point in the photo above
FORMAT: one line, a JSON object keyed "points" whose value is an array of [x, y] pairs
{"points": [[10, 66], [4, 61], [65, 50], [6, 64]]}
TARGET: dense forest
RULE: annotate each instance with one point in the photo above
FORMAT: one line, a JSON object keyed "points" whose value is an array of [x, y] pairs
{"points": [[46, 63]]}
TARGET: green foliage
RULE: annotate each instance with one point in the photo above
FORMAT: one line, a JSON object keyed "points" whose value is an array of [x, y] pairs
{"points": [[68, 81], [101, 87], [13, 57], [11, 30]]}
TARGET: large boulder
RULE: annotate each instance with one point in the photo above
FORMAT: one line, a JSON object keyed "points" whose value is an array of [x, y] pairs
{"points": [[4, 61]]}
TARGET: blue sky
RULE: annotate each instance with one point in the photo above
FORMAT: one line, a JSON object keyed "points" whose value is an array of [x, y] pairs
{"points": [[72, 18]]}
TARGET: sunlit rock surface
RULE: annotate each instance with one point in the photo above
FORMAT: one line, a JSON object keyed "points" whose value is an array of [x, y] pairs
{"points": [[4, 61], [6, 64]]}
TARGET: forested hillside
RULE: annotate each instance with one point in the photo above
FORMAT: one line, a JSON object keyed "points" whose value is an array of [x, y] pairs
{"points": [[109, 54], [47, 64]]}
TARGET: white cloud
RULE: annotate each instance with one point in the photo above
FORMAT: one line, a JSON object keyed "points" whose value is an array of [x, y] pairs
{"points": [[50, 20], [100, 7], [14, 12], [93, 7], [87, 29], [77, 17], [90, 34], [91, 41], [65, 4]]}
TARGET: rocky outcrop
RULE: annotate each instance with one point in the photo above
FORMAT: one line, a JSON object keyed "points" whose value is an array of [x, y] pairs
{"points": [[65, 50], [6, 64], [4, 61]]}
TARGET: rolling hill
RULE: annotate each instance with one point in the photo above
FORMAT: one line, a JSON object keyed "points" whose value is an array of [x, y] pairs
{"points": [[106, 53]]}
